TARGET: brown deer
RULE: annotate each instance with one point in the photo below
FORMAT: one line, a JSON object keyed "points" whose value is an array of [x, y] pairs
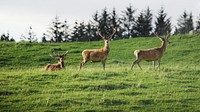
{"points": [[98, 55], [153, 54], [59, 65]]}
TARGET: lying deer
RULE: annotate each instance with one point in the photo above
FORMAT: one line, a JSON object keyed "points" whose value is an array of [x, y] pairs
{"points": [[60, 63], [98, 55], [152, 54]]}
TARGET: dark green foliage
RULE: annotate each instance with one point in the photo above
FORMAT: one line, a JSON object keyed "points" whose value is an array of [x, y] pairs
{"points": [[144, 23], [128, 22], [6, 38], [58, 31], [198, 23], [162, 23], [185, 23]]}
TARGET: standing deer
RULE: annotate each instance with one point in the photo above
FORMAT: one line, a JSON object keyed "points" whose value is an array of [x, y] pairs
{"points": [[98, 55], [59, 65], [152, 54]]}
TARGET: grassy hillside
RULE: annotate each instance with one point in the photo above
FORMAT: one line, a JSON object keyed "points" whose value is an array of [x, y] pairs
{"points": [[24, 87]]}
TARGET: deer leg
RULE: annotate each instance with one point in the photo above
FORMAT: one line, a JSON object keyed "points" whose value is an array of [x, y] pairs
{"points": [[139, 66], [159, 64], [134, 62], [154, 64], [82, 64], [103, 63]]}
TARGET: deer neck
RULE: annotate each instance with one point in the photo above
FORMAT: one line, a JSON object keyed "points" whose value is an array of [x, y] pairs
{"points": [[61, 64], [163, 46], [106, 47]]}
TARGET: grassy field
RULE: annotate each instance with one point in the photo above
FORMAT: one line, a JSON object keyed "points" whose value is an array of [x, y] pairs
{"points": [[173, 88]]}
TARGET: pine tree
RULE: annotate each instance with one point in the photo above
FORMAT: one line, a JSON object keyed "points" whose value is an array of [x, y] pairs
{"points": [[44, 38], [75, 35], [29, 36], [128, 22], [115, 21], [148, 22], [143, 25], [65, 30], [91, 31], [162, 24], [140, 24], [80, 32], [55, 30], [198, 23], [185, 23], [6, 38], [105, 22], [190, 25]]}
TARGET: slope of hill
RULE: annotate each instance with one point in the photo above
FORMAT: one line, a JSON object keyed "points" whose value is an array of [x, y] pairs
{"points": [[182, 50], [175, 87]]}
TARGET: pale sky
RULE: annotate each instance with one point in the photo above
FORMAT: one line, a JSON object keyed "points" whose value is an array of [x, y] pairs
{"points": [[16, 16]]}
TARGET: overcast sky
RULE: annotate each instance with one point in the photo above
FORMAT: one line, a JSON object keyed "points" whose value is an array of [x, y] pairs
{"points": [[17, 15]]}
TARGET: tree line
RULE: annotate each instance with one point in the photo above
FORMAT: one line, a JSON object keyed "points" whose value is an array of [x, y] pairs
{"points": [[128, 24]]}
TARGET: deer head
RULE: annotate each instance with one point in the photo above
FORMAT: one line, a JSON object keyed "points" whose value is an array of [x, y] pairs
{"points": [[165, 39], [58, 56], [106, 38]]}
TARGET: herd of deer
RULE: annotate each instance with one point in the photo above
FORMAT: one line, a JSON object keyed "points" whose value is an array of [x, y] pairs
{"points": [[100, 55]]}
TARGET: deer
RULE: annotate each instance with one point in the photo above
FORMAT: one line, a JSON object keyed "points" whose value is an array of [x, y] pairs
{"points": [[98, 55], [153, 54], [59, 65]]}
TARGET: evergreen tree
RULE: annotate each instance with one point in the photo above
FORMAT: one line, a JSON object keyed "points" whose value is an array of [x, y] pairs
{"points": [[105, 23], [116, 24], [55, 30], [91, 31], [190, 25], [198, 23], [185, 23], [29, 36], [44, 38], [65, 30], [96, 18], [6, 38], [162, 24], [128, 22], [144, 23], [80, 32], [75, 35], [140, 23], [148, 22]]}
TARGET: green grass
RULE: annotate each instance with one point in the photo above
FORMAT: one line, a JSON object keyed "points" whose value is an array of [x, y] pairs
{"points": [[175, 87]]}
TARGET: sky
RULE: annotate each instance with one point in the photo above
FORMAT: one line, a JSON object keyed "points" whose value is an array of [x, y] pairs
{"points": [[16, 16]]}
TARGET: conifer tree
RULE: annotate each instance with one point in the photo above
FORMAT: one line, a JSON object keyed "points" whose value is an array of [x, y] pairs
{"points": [[185, 23], [55, 31], [128, 22], [198, 23], [143, 25], [29, 36], [162, 24]]}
